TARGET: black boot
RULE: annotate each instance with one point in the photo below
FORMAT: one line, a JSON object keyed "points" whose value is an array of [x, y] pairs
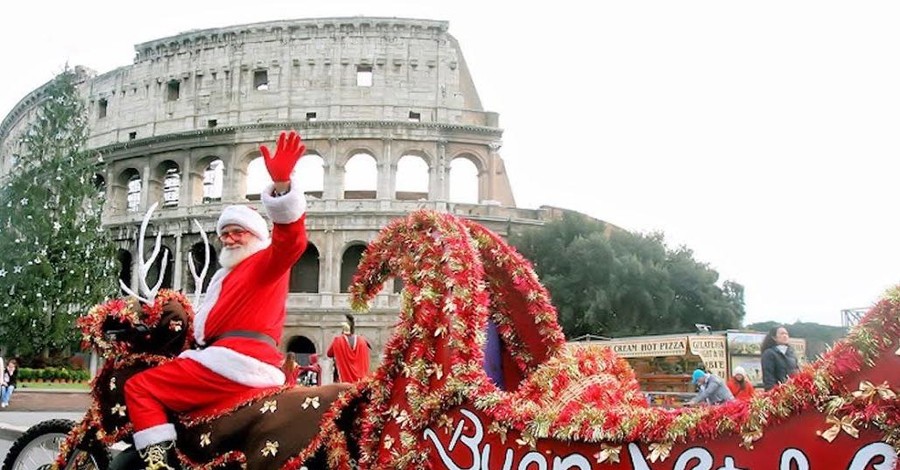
{"points": [[160, 456]]}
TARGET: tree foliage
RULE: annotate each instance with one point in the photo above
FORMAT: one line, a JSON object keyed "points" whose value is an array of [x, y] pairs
{"points": [[57, 260], [607, 281]]}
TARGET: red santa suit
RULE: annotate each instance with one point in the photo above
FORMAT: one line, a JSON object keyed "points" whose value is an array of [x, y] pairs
{"points": [[351, 357], [249, 297]]}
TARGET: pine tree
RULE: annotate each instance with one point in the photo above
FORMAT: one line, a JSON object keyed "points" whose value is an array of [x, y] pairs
{"points": [[57, 259]]}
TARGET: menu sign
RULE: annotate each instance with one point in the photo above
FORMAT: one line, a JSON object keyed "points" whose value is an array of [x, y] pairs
{"points": [[711, 350], [649, 347]]}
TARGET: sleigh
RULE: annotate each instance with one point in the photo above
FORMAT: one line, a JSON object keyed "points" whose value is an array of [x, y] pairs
{"points": [[438, 400]]}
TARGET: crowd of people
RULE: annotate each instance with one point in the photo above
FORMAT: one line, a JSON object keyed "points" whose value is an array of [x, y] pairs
{"points": [[778, 361]]}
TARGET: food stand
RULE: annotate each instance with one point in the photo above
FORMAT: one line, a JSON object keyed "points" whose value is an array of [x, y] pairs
{"points": [[664, 363]]}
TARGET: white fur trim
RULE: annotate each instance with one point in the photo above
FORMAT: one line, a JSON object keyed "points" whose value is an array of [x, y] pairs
{"points": [[209, 301], [154, 435], [285, 209], [237, 367], [246, 217]]}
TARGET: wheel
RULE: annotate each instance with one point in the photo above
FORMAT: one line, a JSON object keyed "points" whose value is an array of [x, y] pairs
{"points": [[38, 447]]}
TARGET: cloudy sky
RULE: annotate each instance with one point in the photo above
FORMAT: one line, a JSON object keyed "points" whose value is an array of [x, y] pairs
{"points": [[763, 135]]}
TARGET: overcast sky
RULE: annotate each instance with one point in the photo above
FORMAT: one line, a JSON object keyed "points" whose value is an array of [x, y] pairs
{"points": [[763, 135]]}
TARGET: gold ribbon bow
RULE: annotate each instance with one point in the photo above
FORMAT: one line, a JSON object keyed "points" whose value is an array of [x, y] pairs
{"points": [[845, 424], [867, 391], [608, 453], [660, 451]]}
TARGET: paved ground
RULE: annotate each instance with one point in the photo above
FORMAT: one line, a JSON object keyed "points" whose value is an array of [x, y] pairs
{"points": [[27, 400], [27, 408]]}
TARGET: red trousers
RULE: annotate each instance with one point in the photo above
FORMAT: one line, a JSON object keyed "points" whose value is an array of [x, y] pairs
{"points": [[182, 386]]}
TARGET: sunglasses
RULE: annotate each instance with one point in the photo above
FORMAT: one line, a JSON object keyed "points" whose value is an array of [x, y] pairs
{"points": [[233, 235]]}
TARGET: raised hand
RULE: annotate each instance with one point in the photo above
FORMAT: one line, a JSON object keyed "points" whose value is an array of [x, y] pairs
{"points": [[289, 149]]}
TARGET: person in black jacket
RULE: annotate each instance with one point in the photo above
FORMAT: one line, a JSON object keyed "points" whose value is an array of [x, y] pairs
{"points": [[778, 358]]}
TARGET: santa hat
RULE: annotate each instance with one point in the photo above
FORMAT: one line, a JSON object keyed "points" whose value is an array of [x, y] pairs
{"points": [[246, 217]]}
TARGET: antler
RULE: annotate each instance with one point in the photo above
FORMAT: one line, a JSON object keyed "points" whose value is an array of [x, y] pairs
{"points": [[144, 265], [198, 279]]}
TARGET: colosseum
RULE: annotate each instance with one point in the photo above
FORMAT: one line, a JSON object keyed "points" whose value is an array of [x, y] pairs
{"points": [[387, 108]]}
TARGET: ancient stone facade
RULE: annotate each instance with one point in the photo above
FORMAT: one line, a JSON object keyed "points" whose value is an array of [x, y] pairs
{"points": [[181, 127]]}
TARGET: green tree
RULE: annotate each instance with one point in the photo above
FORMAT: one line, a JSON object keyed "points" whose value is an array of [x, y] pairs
{"points": [[57, 259], [604, 280]]}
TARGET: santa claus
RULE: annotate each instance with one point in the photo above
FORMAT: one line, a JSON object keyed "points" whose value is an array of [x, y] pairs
{"points": [[240, 323]]}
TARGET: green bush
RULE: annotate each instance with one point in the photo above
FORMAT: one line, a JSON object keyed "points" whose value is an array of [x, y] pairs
{"points": [[49, 374]]}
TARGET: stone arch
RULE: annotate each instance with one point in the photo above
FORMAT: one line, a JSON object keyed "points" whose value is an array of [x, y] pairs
{"points": [[301, 345], [165, 184], [198, 254], [157, 268], [124, 259], [301, 348], [212, 179], [311, 172], [361, 176], [305, 272], [465, 172], [128, 191], [412, 182], [257, 178], [349, 262], [99, 182]]}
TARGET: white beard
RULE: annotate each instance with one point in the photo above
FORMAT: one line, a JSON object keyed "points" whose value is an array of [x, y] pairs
{"points": [[231, 257]]}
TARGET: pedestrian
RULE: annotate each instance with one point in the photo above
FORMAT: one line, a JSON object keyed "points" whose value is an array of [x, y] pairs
{"points": [[712, 389], [241, 320], [778, 359], [350, 352], [10, 381], [740, 386]]}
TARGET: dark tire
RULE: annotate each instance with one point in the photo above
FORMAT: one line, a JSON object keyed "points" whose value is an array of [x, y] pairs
{"points": [[38, 447]]}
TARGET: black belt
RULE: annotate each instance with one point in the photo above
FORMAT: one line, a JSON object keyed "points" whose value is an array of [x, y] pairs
{"points": [[242, 334]]}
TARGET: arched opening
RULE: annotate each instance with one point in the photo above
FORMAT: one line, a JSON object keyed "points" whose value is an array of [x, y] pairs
{"points": [[463, 181], [305, 273], [349, 263], [213, 181], [130, 181], [360, 177], [168, 271], [302, 349], [257, 179], [99, 183], [198, 254], [311, 175], [165, 186], [124, 259], [301, 345], [412, 178]]}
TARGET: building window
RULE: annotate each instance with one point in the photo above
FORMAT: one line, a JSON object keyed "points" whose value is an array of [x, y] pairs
{"points": [[101, 108], [415, 117], [134, 193], [171, 187], [261, 80], [173, 90], [310, 117], [132, 135], [363, 75], [212, 181], [212, 123]]}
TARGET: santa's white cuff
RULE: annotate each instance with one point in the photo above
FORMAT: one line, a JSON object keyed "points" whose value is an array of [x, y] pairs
{"points": [[237, 367], [154, 435], [287, 208]]}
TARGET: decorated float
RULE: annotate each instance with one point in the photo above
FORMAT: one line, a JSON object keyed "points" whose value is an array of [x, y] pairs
{"points": [[477, 376]]}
